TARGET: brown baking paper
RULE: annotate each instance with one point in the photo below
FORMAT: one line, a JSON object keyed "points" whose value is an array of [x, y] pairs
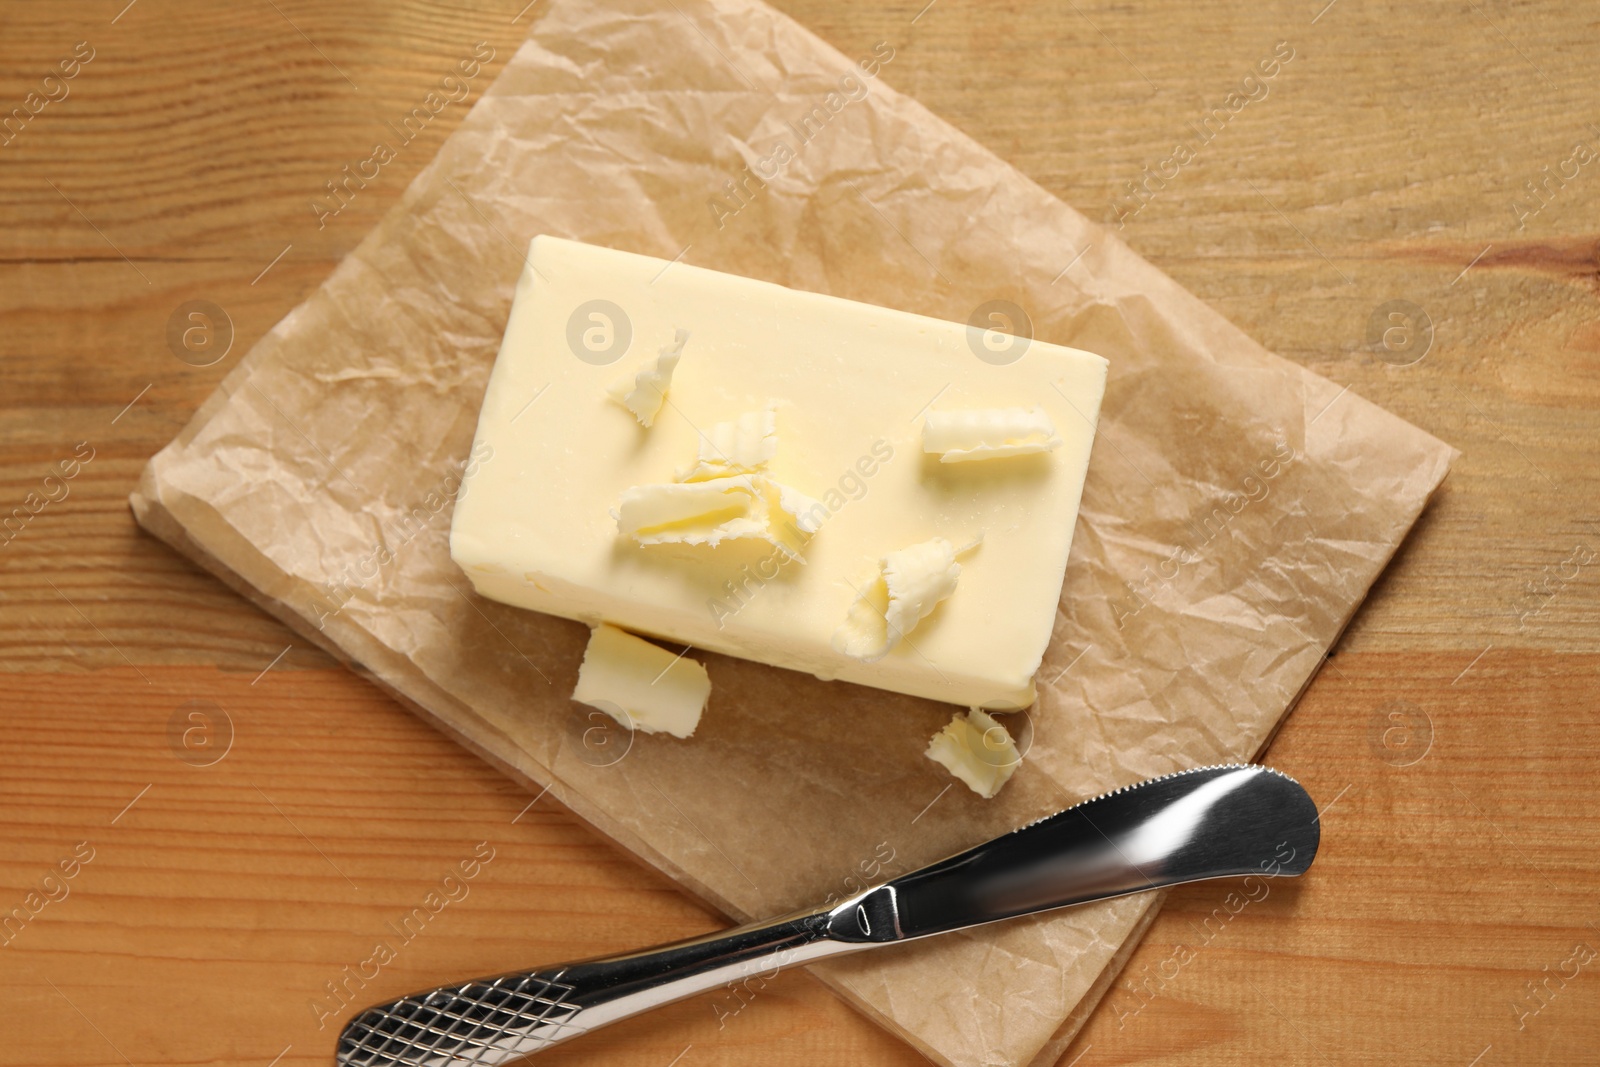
{"points": [[1237, 507]]}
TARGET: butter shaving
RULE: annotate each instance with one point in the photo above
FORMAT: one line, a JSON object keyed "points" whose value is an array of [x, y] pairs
{"points": [[644, 392], [910, 583], [976, 749], [991, 433], [720, 509], [727, 495], [690, 512], [743, 446]]}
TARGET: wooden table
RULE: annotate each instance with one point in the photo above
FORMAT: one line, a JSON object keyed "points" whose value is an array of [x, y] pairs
{"points": [[238, 814]]}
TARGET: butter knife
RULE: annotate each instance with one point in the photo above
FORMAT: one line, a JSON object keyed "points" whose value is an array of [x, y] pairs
{"points": [[1211, 822]]}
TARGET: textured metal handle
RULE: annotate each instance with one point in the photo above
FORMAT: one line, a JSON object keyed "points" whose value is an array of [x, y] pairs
{"points": [[481, 1022], [496, 1020]]}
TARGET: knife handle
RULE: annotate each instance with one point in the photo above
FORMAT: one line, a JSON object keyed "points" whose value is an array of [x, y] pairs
{"points": [[496, 1020]]}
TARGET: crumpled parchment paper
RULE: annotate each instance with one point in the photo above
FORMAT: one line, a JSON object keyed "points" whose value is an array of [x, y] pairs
{"points": [[1237, 510]]}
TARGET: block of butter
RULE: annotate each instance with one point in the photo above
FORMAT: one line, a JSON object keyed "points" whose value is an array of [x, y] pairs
{"points": [[810, 482]]}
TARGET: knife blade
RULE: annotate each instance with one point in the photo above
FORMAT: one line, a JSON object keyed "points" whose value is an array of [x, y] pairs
{"points": [[1211, 822]]}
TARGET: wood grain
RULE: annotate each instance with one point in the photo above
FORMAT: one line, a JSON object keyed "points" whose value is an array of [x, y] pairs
{"points": [[1383, 163]]}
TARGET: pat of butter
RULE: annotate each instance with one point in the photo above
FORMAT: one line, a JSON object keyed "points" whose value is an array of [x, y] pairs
{"points": [[642, 686], [847, 386], [978, 750]]}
